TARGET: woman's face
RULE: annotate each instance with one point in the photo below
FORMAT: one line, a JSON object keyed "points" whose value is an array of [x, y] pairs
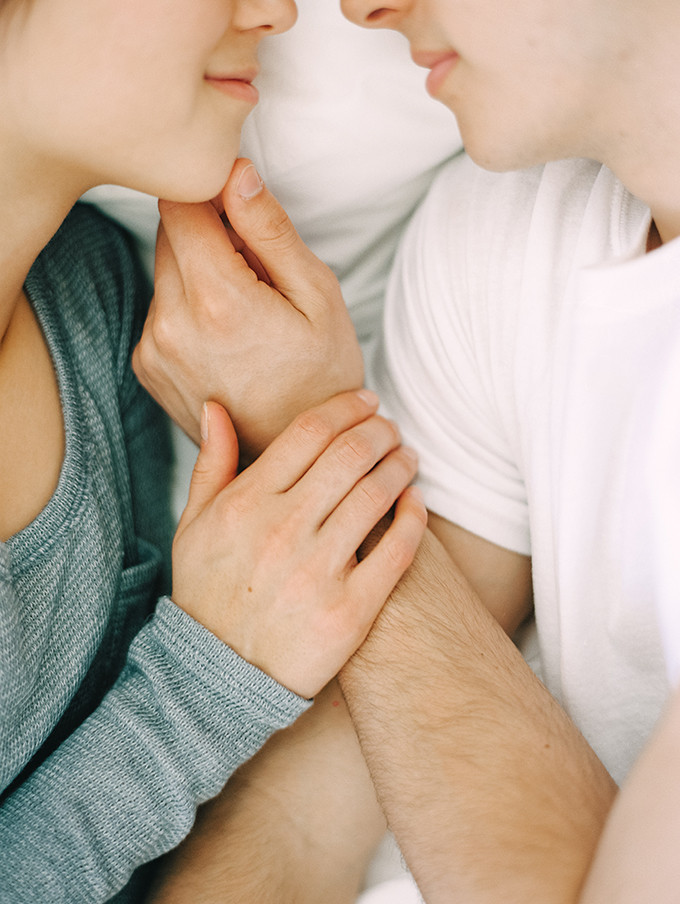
{"points": [[146, 93]]}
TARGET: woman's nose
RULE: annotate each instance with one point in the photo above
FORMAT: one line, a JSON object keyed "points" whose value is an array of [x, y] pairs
{"points": [[272, 16]]}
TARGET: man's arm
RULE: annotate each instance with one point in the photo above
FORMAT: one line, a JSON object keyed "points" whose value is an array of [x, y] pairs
{"points": [[489, 788]]}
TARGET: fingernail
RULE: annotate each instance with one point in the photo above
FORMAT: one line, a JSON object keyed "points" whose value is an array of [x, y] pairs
{"points": [[249, 183], [205, 420], [369, 397], [410, 453]]}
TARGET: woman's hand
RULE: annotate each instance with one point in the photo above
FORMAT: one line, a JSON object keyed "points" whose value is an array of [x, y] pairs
{"points": [[246, 316], [266, 560]]}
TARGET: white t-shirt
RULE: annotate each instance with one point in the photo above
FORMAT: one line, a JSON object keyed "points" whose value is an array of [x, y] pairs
{"points": [[529, 345]]}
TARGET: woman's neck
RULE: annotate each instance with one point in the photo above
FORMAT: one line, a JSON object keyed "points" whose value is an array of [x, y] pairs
{"points": [[33, 204]]}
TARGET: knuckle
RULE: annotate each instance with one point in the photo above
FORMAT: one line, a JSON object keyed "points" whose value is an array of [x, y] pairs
{"points": [[313, 426], [355, 449], [399, 552], [277, 229], [162, 333], [210, 310], [391, 430], [375, 494], [144, 357], [323, 280], [236, 506]]}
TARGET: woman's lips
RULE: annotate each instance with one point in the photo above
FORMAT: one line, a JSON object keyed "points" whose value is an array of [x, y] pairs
{"points": [[238, 86]]}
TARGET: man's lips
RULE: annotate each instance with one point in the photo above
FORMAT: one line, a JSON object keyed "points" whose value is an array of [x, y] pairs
{"points": [[440, 63]]}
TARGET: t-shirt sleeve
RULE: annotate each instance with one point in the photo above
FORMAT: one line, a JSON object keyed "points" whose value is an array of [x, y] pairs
{"points": [[443, 367], [660, 475], [185, 712]]}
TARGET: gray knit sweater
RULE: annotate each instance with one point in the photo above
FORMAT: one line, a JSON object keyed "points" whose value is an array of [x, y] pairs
{"points": [[117, 716]]}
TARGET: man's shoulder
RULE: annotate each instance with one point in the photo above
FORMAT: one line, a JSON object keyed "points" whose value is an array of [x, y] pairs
{"points": [[470, 200], [479, 236]]}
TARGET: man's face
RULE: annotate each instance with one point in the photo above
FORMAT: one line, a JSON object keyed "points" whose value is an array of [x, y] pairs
{"points": [[525, 78]]}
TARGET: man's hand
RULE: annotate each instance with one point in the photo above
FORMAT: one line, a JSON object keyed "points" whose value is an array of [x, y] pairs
{"points": [[266, 560], [246, 316]]}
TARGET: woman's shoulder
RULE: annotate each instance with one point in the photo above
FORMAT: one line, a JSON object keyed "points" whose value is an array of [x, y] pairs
{"points": [[89, 277], [91, 249]]}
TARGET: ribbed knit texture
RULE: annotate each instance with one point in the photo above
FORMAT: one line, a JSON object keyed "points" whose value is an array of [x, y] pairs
{"points": [[117, 717]]}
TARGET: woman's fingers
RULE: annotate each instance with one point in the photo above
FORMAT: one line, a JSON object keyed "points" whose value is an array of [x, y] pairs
{"points": [[353, 466], [217, 461], [297, 449], [366, 503], [374, 578]]}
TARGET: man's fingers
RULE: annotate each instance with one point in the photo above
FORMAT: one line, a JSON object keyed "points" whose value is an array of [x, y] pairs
{"points": [[267, 230], [250, 257], [200, 245]]}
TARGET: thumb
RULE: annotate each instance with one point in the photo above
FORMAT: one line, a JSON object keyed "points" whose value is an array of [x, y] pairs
{"points": [[217, 461], [266, 229]]}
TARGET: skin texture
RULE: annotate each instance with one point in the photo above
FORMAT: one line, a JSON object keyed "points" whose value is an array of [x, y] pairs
{"points": [[539, 80], [100, 92], [157, 101], [266, 559], [636, 859], [197, 258], [90, 92], [295, 825]]}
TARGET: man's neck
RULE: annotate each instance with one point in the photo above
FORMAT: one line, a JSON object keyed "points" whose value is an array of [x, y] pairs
{"points": [[640, 138], [655, 180]]}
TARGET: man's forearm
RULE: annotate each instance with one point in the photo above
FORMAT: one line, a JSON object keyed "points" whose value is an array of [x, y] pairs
{"points": [[490, 790]]}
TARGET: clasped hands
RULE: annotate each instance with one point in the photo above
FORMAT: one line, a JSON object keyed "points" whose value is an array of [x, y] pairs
{"points": [[248, 328]]}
